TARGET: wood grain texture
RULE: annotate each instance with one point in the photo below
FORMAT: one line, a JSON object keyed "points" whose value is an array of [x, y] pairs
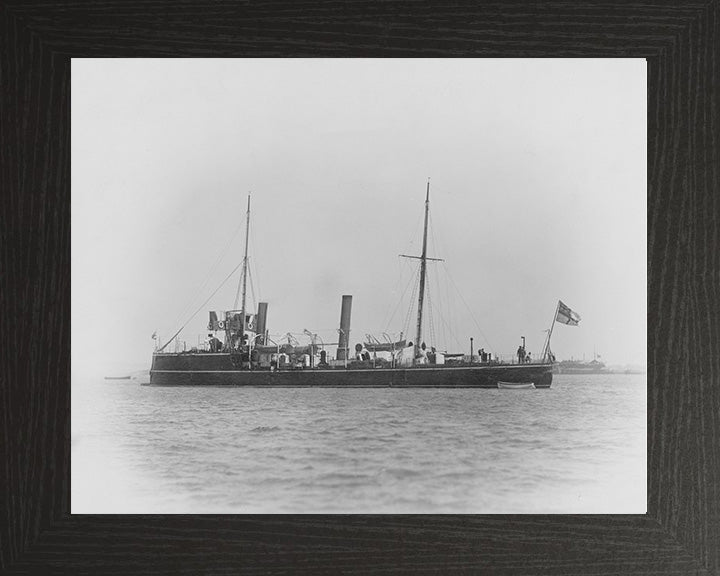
{"points": [[681, 532]]}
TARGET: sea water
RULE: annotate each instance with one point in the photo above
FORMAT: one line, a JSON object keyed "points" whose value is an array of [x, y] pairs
{"points": [[578, 447]]}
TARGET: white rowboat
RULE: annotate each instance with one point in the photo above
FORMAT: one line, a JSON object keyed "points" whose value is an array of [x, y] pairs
{"points": [[516, 385]]}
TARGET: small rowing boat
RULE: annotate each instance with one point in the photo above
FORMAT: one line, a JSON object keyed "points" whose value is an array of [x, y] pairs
{"points": [[516, 385]]}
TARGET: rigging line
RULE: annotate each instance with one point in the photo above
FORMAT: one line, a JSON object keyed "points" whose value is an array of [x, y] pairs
{"points": [[441, 311], [428, 316], [406, 325], [469, 310], [437, 246], [201, 306], [253, 243], [430, 288], [433, 243], [433, 326], [444, 324], [237, 292], [438, 250], [410, 307], [398, 283], [399, 303], [452, 336], [451, 314], [430, 312], [448, 279], [252, 287], [404, 322], [415, 235], [447, 326], [431, 227], [202, 286]]}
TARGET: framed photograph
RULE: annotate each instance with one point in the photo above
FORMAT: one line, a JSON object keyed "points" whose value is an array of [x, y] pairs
{"points": [[314, 402], [405, 395]]}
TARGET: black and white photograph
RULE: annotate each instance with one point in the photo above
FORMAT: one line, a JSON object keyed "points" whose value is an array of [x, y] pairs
{"points": [[359, 286]]}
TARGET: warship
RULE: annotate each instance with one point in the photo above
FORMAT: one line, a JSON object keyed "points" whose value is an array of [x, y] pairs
{"points": [[240, 352], [593, 366]]}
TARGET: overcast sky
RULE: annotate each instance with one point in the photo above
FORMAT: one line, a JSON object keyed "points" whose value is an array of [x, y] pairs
{"points": [[537, 190]]}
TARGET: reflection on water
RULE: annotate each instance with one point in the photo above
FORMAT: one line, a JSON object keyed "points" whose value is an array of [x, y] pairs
{"points": [[578, 447]]}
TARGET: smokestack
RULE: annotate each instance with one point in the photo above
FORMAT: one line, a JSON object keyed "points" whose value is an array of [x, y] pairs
{"points": [[261, 321], [344, 327]]}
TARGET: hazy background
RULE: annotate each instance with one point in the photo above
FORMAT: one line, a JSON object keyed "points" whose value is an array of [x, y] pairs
{"points": [[538, 192]]}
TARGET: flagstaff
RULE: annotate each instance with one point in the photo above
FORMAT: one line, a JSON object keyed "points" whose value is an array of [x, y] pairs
{"points": [[552, 325]]}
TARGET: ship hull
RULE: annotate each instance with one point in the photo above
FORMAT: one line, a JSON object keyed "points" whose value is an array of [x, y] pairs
{"points": [[219, 370]]}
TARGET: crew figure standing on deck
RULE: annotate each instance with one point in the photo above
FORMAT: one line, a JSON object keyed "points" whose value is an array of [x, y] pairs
{"points": [[214, 343], [521, 354], [422, 354]]}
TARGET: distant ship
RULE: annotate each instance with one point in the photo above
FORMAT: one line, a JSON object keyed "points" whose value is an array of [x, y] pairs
{"points": [[594, 366], [246, 356]]}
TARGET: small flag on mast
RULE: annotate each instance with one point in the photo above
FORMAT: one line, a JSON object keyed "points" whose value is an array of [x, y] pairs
{"points": [[566, 316]]}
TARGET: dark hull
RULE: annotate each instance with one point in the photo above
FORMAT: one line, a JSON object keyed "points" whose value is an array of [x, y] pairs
{"points": [[218, 370]]}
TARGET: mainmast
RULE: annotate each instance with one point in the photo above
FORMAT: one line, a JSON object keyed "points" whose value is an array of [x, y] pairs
{"points": [[423, 267], [244, 271]]}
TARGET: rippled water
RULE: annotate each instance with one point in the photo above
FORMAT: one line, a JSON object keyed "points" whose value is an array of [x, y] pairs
{"points": [[577, 447]]}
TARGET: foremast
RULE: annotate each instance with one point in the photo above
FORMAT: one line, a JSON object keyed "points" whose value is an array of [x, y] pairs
{"points": [[244, 272], [231, 329]]}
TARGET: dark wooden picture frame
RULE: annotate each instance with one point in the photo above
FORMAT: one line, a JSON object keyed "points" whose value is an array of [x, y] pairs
{"points": [[680, 534]]}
